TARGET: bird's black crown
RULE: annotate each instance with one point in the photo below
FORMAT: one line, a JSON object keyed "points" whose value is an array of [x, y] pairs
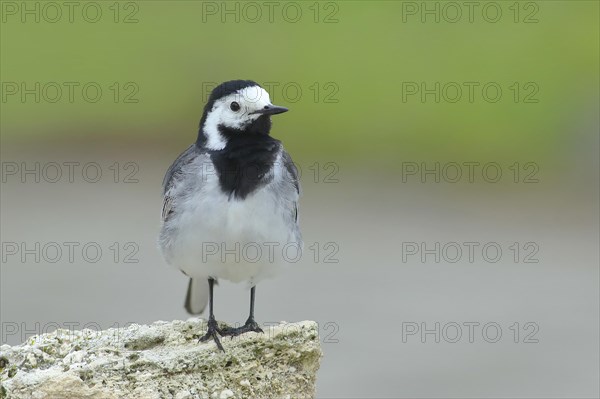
{"points": [[227, 88]]}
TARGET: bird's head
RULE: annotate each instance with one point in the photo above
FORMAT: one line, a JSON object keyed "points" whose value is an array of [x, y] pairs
{"points": [[233, 108]]}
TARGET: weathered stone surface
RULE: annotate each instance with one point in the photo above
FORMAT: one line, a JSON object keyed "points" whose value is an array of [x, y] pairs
{"points": [[163, 360]]}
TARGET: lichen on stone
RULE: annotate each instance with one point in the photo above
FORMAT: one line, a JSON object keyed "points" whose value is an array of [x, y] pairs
{"points": [[163, 360]]}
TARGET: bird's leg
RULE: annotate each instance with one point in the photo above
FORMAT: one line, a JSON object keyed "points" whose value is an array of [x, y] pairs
{"points": [[213, 328], [250, 324]]}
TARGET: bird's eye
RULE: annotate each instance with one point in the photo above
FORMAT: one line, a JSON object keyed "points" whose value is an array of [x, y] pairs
{"points": [[235, 107]]}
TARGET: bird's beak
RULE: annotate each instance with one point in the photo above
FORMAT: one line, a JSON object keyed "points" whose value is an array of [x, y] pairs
{"points": [[270, 110]]}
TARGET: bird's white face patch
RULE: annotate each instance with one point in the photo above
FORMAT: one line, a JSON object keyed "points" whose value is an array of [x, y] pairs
{"points": [[226, 113]]}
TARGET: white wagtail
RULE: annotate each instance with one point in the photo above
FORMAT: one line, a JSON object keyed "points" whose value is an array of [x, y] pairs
{"points": [[234, 187]]}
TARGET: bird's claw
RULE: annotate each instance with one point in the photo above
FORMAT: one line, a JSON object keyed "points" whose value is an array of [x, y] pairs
{"points": [[213, 332], [249, 326]]}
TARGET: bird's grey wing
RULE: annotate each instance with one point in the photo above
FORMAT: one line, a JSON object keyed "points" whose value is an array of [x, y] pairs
{"points": [[174, 174], [188, 164], [291, 178], [292, 171]]}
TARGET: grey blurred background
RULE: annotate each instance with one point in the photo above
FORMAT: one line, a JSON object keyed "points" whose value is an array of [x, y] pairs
{"points": [[362, 143]]}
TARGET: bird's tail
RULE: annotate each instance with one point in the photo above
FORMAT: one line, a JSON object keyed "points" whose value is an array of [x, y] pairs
{"points": [[197, 295]]}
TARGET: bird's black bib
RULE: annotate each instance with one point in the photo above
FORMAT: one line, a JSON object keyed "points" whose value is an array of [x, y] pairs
{"points": [[243, 166]]}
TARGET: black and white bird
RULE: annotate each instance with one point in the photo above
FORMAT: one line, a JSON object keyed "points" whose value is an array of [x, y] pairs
{"points": [[234, 187]]}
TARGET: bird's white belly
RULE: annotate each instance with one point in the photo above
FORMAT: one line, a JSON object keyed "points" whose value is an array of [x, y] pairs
{"points": [[237, 240]]}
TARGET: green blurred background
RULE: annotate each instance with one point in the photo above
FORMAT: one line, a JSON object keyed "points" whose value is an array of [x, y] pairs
{"points": [[365, 49], [353, 66]]}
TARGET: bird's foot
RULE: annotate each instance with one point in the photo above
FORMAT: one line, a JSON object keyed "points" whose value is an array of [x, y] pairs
{"points": [[213, 332], [250, 325]]}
